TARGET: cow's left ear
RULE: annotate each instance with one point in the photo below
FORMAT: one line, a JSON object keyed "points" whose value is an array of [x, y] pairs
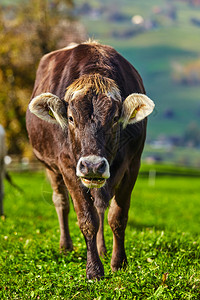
{"points": [[135, 108], [50, 108]]}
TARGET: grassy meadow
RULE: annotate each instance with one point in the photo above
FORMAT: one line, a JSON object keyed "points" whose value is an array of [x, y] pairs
{"points": [[162, 243]]}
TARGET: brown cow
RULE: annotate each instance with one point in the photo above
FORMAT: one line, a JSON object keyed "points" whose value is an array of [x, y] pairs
{"points": [[87, 124]]}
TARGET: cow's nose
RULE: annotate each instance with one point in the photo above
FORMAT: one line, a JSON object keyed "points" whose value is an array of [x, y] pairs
{"points": [[89, 168], [93, 166]]}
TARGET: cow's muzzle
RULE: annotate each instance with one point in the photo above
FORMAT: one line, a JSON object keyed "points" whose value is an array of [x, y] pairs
{"points": [[93, 171]]}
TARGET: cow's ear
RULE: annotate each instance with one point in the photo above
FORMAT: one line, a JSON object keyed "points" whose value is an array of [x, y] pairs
{"points": [[50, 108], [135, 108]]}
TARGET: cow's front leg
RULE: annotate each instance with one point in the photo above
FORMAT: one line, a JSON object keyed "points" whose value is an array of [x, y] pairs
{"points": [[100, 235], [117, 219], [61, 202], [88, 220], [89, 223], [118, 215]]}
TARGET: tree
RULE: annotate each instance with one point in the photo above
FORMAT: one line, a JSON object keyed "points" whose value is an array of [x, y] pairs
{"points": [[26, 33]]}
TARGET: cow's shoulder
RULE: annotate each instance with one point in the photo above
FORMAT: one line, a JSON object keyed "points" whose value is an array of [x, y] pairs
{"points": [[54, 57], [50, 70]]}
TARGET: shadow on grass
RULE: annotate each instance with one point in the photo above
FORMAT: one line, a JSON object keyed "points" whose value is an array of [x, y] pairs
{"points": [[74, 256], [140, 226]]}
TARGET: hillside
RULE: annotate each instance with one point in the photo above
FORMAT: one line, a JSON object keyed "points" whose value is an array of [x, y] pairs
{"points": [[164, 47]]}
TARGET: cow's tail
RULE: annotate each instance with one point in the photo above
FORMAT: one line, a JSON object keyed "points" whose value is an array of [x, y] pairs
{"points": [[9, 179]]}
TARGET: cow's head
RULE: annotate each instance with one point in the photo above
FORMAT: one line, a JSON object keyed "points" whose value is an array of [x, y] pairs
{"points": [[92, 113]]}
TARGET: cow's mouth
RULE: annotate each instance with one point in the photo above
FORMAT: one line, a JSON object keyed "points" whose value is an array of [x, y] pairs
{"points": [[93, 182]]}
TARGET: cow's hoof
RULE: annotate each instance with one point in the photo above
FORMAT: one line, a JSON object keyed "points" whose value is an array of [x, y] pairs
{"points": [[94, 275], [66, 246], [118, 264], [95, 271], [102, 251]]}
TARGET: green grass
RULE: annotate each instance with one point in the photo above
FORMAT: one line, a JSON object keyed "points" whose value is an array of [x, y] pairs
{"points": [[162, 242]]}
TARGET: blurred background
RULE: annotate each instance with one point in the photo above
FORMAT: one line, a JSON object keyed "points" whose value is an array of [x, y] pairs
{"points": [[161, 38]]}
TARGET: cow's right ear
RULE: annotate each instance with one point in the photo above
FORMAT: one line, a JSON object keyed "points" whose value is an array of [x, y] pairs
{"points": [[50, 108]]}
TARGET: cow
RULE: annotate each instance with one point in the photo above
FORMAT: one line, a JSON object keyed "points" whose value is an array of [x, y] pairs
{"points": [[87, 124]]}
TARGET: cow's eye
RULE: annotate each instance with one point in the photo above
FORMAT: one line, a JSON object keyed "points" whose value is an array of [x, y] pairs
{"points": [[71, 120], [115, 120]]}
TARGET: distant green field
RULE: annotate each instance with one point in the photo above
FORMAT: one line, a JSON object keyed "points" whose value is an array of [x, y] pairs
{"points": [[175, 155], [162, 242], [153, 54], [4, 2]]}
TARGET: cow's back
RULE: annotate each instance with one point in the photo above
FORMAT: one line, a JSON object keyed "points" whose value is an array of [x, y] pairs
{"points": [[58, 69]]}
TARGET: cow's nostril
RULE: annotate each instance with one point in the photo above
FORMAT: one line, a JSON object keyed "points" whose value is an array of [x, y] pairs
{"points": [[100, 167], [83, 167]]}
